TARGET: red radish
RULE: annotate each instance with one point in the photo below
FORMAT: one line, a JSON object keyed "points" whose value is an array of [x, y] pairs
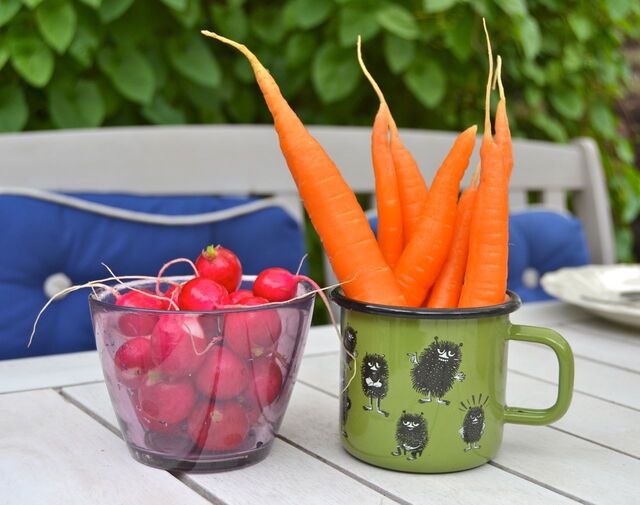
{"points": [[267, 381], [222, 375], [249, 402], [172, 294], [220, 265], [136, 325], [218, 426], [165, 403], [201, 294], [276, 284], [177, 342], [236, 297], [133, 360], [251, 334]]}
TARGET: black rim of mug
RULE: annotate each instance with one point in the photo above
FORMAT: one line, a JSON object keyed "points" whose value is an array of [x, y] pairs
{"points": [[502, 309]]}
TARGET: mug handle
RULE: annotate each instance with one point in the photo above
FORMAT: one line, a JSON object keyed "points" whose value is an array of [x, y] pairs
{"points": [[563, 352]]}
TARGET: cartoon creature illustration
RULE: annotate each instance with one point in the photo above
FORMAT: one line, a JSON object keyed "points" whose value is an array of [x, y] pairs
{"points": [[411, 435], [349, 341], [473, 424], [375, 380], [345, 403], [436, 369]]}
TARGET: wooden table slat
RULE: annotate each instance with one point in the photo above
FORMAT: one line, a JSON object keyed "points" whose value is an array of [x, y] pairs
{"points": [[54, 453], [287, 476]]}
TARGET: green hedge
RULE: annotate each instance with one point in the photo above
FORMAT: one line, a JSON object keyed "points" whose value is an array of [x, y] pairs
{"points": [[87, 63]]}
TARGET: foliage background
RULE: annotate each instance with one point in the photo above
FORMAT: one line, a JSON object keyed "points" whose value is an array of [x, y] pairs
{"points": [[88, 63]]}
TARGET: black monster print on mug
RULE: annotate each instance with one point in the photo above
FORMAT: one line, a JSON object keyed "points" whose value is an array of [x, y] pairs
{"points": [[375, 380], [473, 423], [345, 403], [436, 369], [349, 341], [411, 435]]}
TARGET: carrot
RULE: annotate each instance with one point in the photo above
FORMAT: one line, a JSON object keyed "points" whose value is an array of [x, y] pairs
{"points": [[446, 290], [485, 280], [332, 206], [424, 255], [412, 188], [503, 134], [388, 202]]}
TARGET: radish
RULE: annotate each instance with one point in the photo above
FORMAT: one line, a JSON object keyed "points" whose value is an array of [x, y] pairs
{"points": [[133, 360], [201, 294], [172, 295], [220, 265], [249, 402], [165, 403], [177, 344], [222, 375], [251, 334], [276, 284], [218, 426], [236, 297], [267, 380], [136, 325]]}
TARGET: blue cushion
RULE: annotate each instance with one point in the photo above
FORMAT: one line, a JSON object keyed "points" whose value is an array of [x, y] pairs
{"points": [[543, 241], [540, 241], [41, 238]]}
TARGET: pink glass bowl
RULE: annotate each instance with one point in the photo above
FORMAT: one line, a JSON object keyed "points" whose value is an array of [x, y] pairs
{"points": [[200, 391]]}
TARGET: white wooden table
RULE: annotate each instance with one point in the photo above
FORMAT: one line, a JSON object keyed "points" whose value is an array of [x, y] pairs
{"points": [[59, 440]]}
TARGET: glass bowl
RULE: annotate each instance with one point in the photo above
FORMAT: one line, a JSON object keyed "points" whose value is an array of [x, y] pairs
{"points": [[200, 391]]}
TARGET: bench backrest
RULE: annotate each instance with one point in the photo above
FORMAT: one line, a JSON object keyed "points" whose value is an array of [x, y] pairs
{"points": [[246, 159]]}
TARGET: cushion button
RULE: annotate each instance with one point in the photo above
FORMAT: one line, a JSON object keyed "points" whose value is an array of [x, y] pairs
{"points": [[530, 278], [56, 283]]}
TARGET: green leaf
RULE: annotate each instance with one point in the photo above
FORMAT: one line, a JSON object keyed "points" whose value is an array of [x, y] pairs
{"points": [[244, 106], [177, 5], [307, 14], [190, 55], [32, 4], [552, 128], [14, 111], [31, 58], [268, 24], [528, 33], [56, 20], [398, 20], [438, 5], [230, 21], [160, 111], [603, 119], [356, 20], [299, 49], [111, 10], [618, 9], [399, 53], [458, 37], [191, 15], [335, 72], [624, 150], [78, 105], [84, 45], [8, 9], [129, 72], [92, 3], [427, 81], [4, 51], [568, 103], [581, 26], [514, 8]]}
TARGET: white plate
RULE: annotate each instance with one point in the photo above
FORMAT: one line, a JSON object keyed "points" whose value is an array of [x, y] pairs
{"points": [[601, 289]]}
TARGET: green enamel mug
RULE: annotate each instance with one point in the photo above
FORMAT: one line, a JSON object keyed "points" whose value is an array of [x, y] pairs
{"points": [[423, 390]]}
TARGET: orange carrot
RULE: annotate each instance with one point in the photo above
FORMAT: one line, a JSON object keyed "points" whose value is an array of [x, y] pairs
{"points": [[424, 255], [389, 211], [332, 206], [412, 188], [446, 290], [503, 134], [485, 280]]}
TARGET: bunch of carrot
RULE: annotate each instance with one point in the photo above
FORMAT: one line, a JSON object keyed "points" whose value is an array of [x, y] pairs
{"points": [[434, 248]]}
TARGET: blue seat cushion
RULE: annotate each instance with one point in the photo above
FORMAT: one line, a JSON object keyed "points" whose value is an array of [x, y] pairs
{"points": [[41, 238], [540, 241]]}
